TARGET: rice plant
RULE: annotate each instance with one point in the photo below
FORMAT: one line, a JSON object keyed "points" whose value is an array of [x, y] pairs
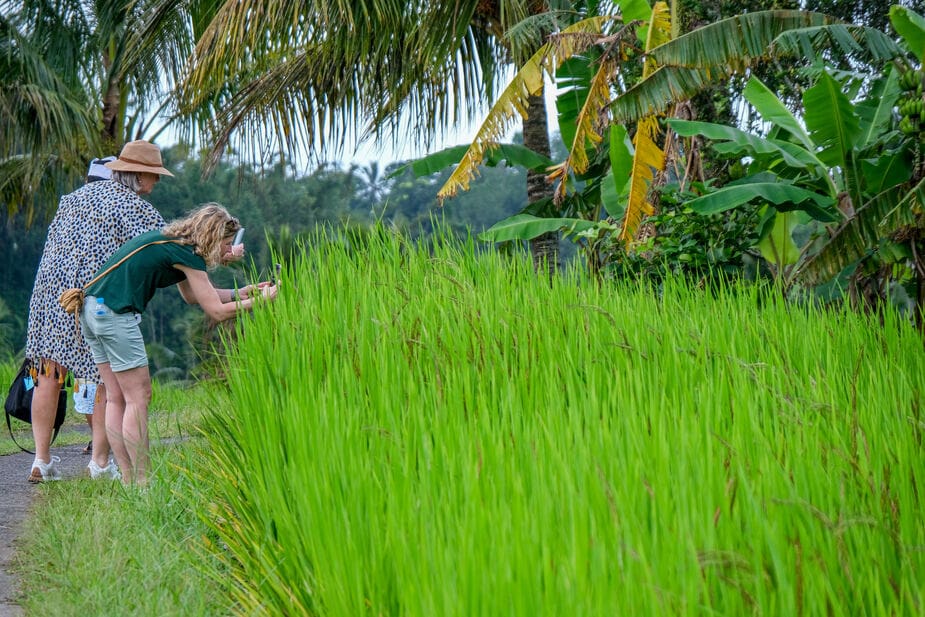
{"points": [[432, 431]]}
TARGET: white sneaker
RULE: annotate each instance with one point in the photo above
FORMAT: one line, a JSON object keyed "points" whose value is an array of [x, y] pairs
{"points": [[109, 472], [44, 472]]}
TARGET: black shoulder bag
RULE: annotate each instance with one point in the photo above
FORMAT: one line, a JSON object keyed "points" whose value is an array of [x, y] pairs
{"points": [[19, 403]]}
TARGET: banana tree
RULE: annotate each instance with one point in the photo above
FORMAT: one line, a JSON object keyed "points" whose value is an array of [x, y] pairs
{"points": [[621, 186], [715, 52], [584, 60], [847, 155], [887, 233]]}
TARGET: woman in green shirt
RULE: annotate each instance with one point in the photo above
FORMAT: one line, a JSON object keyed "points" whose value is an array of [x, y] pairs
{"points": [[179, 254]]}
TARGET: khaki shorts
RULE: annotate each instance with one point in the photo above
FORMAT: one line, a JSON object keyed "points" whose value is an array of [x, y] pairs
{"points": [[113, 337]]}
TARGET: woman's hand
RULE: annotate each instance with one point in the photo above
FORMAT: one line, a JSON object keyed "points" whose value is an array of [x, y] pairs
{"points": [[267, 290], [244, 292], [235, 253], [250, 291]]}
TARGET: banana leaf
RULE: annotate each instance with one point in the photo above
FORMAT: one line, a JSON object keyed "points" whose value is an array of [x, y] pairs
{"points": [[707, 56], [737, 142], [614, 187], [862, 43], [876, 111], [777, 246], [872, 222], [911, 27], [784, 197], [527, 227], [886, 171], [773, 110], [831, 120]]}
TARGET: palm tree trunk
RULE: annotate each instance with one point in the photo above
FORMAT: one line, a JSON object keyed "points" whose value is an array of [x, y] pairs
{"points": [[111, 103], [544, 248]]}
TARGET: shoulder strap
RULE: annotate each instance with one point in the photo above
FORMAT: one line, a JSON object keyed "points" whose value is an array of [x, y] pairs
{"points": [[22, 447], [13, 437], [121, 261]]}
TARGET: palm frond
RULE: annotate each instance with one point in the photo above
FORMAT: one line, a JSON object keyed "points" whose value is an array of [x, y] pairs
{"points": [[648, 159], [280, 97], [659, 34], [230, 43], [25, 182], [579, 37], [591, 118], [389, 64], [46, 124], [588, 127], [513, 102]]}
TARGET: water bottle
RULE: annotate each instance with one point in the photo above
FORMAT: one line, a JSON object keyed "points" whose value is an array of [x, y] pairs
{"points": [[100, 307]]}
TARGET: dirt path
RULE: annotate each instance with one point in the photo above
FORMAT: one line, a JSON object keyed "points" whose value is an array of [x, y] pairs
{"points": [[16, 497]]}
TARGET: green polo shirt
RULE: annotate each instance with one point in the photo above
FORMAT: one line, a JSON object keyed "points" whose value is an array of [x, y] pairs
{"points": [[130, 286]]}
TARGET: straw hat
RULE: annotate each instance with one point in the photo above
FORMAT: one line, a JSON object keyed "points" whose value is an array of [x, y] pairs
{"points": [[139, 155]]}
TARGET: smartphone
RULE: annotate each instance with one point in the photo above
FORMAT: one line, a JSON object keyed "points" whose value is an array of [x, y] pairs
{"points": [[238, 237]]}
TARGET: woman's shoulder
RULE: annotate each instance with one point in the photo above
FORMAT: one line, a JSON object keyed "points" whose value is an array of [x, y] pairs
{"points": [[154, 235], [99, 196], [157, 237]]}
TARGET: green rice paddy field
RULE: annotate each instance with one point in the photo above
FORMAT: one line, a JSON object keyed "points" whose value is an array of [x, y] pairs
{"points": [[435, 432]]}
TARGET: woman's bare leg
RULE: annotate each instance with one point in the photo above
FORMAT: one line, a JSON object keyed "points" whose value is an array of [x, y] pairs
{"points": [[100, 450], [45, 407], [136, 389], [113, 419]]}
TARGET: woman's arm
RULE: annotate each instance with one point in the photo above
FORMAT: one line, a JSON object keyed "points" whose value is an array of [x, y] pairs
{"points": [[241, 293], [198, 289]]}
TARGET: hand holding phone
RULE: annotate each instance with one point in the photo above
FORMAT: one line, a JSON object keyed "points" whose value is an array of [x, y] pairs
{"points": [[238, 237]]}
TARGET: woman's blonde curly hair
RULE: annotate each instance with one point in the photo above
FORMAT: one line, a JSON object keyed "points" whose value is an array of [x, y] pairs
{"points": [[205, 228]]}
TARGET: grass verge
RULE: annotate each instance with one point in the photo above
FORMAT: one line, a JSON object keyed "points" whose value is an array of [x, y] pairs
{"points": [[99, 548]]}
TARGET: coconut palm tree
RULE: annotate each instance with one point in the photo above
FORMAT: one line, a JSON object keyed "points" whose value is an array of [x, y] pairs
{"points": [[83, 78], [43, 118], [311, 76]]}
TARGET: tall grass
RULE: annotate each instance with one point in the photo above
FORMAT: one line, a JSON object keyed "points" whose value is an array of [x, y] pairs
{"points": [[431, 432], [94, 547]]}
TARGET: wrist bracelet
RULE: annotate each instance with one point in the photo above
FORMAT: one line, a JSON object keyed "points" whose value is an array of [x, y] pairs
{"points": [[234, 295]]}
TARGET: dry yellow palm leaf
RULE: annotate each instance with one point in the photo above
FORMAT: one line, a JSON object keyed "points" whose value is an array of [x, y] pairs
{"points": [[593, 116], [649, 158], [589, 124], [514, 100]]}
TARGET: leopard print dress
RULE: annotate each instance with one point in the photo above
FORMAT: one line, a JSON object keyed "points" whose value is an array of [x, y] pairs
{"points": [[91, 223]]}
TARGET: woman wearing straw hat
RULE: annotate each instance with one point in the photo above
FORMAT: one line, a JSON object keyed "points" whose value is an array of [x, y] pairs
{"points": [[90, 224], [179, 254]]}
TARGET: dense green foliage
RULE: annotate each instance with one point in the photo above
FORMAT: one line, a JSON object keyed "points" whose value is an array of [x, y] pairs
{"points": [[422, 427]]}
